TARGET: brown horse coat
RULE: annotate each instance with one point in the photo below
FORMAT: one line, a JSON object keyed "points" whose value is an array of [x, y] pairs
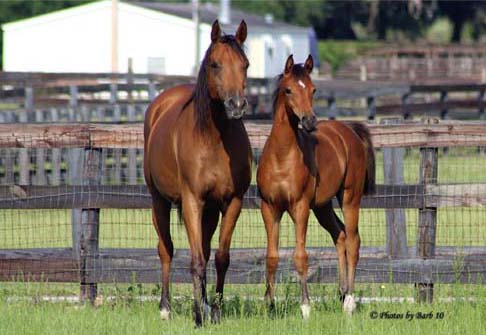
{"points": [[304, 164], [197, 154]]}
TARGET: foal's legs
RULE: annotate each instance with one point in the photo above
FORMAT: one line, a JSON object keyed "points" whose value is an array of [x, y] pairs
{"points": [[161, 220], [271, 217], [351, 218], [300, 215], [222, 258], [192, 210], [330, 221]]}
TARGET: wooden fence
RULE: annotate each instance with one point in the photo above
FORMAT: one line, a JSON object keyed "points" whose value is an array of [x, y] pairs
{"points": [[419, 63], [124, 97], [87, 263]]}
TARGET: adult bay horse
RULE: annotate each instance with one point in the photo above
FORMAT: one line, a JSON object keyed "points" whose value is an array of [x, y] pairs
{"points": [[197, 154], [304, 164]]}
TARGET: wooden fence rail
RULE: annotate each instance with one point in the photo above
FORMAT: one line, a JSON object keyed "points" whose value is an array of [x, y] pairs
{"points": [[423, 264], [111, 94]]}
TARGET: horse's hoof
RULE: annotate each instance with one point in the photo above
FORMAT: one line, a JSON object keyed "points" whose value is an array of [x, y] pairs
{"points": [[165, 314], [305, 308], [349, 304]]}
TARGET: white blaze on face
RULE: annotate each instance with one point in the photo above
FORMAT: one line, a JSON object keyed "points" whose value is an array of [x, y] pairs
{"points": [[301, 83]]}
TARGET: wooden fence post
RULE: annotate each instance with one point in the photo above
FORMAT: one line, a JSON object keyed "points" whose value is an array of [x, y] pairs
{"points": [[113, 93], [427, 218], [370, 102], [40, 159], [117, 153], [8, 157], [75, 164], [332, 109], [90, 220], [24, 159], [405, 108], [481, 103], [396, 227], [56, 155], [152, 92], [443, 105], [131, 153]]}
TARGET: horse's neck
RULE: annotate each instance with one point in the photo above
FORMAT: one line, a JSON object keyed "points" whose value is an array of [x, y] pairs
{"points": [[216, 126], [283, 133]]}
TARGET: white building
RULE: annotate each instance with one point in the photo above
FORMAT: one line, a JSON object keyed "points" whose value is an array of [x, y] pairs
{"points": [[158, 37]]}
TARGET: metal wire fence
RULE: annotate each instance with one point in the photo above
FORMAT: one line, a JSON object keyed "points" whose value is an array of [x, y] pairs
{"points": [[50, 205]]}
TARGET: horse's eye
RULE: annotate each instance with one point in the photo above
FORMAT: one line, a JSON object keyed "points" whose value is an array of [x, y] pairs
{"points": [[215, 65], [314, 91], [288, 91], [247, 65]]}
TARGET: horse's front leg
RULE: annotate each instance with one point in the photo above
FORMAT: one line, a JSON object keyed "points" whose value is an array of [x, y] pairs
{"points": [[192, 209], [300, 215], [222, 258], [271, 218]]}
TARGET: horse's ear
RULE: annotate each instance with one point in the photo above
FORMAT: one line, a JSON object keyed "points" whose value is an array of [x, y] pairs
{"points": [[309, 64], [289, 64], [241, 33], [215, 32]]}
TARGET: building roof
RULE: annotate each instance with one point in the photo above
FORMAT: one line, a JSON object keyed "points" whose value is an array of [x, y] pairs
{"points": [[209, 12]]}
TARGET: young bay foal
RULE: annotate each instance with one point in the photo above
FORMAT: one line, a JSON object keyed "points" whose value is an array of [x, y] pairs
{"points": [[197, 154], [305, 164]]}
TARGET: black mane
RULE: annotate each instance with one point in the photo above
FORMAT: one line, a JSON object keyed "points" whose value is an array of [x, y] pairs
{"points": [[200, 95], [298, 71]]}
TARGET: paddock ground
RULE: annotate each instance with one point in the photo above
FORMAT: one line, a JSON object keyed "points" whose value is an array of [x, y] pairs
{"points": [[458, 309]]}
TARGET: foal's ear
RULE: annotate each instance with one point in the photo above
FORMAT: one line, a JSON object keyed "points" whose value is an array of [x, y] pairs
{"points": [[289, 64], [309, 64], [215, 32], [241, 33]]}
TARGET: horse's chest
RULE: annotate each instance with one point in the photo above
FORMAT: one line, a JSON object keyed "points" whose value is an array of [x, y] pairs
{"points": [[286, 185], [222, 177]]}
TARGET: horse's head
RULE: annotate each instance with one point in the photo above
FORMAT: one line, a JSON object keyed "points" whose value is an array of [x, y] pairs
{"points": [[298, 90], [226, 66]]}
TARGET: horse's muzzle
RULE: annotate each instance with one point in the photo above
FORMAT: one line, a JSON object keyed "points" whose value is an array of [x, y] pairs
{"points": [[309, 123], [236, 107]]}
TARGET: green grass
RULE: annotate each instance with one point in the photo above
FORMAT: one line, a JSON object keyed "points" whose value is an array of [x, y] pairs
{"points": [[244, 313], [458, 226]]}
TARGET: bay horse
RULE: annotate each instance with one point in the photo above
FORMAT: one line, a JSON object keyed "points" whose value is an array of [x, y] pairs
{"points": [[198, 155], [304, 164]]}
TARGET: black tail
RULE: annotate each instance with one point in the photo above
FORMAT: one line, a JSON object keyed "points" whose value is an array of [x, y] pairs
{"points": [[363, 132]]}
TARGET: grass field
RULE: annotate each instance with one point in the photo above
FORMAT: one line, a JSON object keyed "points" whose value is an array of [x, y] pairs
{"points": [[244, 313]]}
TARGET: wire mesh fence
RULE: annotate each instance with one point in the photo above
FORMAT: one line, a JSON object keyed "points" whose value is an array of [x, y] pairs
{"points": [[47, 203]]}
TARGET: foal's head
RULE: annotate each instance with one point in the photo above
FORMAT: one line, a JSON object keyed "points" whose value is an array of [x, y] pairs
{"points": [[297, 90], [223, 72]]}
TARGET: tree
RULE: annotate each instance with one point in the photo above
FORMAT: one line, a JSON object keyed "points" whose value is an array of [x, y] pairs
{"points": [[459, 13]]}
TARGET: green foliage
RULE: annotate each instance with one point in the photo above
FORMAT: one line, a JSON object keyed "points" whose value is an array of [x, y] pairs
{"points": [[338, 53]]}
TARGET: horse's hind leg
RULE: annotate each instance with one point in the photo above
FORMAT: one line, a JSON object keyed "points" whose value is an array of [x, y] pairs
{"points": [[271, 218], [161, 220], [300, 215], [330, 221]]}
